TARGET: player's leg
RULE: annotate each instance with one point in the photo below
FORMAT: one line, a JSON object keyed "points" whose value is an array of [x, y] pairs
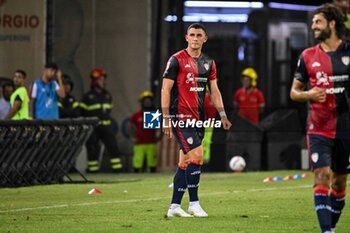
{"points": [[110, 142], [179, 188], [151, 156], [93, 152], [138, 156], [320, 150], [340, 167], [321, 198], [337, 197], [193, 172]]}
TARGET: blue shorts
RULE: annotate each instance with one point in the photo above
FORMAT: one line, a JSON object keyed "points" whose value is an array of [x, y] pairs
{"points": [[329, 152], [188, 138]]}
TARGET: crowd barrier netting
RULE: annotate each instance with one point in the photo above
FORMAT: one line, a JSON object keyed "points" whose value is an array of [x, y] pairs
{"points": [[41, 151]]}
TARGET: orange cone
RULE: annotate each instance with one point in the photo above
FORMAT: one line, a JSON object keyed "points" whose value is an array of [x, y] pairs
{"points": [[95, 191]]}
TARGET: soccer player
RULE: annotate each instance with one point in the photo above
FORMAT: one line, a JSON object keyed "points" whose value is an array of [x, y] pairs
{"points": [[325, 68], [249, 100], [19, 99], [185, 78]]}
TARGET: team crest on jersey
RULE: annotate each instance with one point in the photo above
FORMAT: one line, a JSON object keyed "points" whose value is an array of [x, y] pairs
{"points": [[206, 66], [190, 140], [314, 157], [345, 60]]}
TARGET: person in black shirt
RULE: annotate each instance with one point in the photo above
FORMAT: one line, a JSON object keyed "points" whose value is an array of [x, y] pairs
{"points": [[68, 106]]}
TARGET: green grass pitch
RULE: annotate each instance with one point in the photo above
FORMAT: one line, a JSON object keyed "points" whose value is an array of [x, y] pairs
{"points": [[239, 203]]}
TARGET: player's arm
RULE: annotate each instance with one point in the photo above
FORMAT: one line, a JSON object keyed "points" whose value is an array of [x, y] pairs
{"points": [[16, 106], [298, 92], [165, 103], [216, 98], [169, 77]]}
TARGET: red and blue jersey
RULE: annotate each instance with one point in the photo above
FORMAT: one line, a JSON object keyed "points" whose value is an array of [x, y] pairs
{"points": [[330, 71], [190, 75]]}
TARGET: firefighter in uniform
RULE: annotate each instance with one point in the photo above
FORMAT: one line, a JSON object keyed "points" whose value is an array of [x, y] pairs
{"points": [[98, 103]]}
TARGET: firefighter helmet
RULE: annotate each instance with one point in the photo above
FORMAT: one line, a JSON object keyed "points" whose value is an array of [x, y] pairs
{"points": [[145, 94], [97, 72], [251, 73]]}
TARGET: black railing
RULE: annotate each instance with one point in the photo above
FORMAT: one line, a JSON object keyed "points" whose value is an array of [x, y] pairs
{"points": [[41, 151]]}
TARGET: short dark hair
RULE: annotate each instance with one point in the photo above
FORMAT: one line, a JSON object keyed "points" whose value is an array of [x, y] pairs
{"points": [[197, 26], [6, 84], [22, 72], [51, 65], [332, 12]]}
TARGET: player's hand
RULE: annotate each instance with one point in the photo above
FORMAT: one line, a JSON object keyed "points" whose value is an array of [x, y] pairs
{"points": [[226, 123], [167, 127], [317, 94]]}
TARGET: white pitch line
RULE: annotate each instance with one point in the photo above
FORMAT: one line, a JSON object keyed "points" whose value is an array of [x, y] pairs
{"points": [[147, 199]]}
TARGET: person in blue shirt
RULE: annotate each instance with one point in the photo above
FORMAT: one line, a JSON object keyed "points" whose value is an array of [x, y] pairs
{"points": [[45, 93]]}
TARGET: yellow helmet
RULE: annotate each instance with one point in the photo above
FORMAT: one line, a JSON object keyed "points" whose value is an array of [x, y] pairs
{"points": [[251, 73], [145, 94]]}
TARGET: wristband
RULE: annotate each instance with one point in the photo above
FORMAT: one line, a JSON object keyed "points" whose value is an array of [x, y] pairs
{"points": [[222, 114]]}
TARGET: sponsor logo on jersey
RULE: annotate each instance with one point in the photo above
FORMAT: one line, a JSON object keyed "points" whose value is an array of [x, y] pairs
{"points": [[197, 89], [190, 78], [187, 66], [322, 78], [336, 90], [315, 64], [345, 60], [314, 157], [201, 79]]}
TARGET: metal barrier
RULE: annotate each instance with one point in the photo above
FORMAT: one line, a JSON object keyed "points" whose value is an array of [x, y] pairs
{"points": [[41, 151]]}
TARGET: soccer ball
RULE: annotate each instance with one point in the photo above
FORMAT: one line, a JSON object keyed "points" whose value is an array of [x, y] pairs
{"points": [[237, 163]]}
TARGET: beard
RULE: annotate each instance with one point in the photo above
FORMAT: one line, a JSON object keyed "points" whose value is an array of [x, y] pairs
{"points": [[324, 34]]}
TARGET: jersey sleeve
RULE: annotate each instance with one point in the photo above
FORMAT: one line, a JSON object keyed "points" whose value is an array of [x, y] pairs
{"points": [[172, 68], [301, 72], [56, 86], [34, 91], [212, 74], [18, 98]]}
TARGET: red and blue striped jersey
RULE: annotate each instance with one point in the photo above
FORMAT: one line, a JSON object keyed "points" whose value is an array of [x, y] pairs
{"points": [[190, 75], [328, 70]]}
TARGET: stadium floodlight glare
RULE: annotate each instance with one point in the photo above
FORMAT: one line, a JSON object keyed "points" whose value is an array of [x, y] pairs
{"points": [[224, 4], [225, 18], [296, 7]]}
